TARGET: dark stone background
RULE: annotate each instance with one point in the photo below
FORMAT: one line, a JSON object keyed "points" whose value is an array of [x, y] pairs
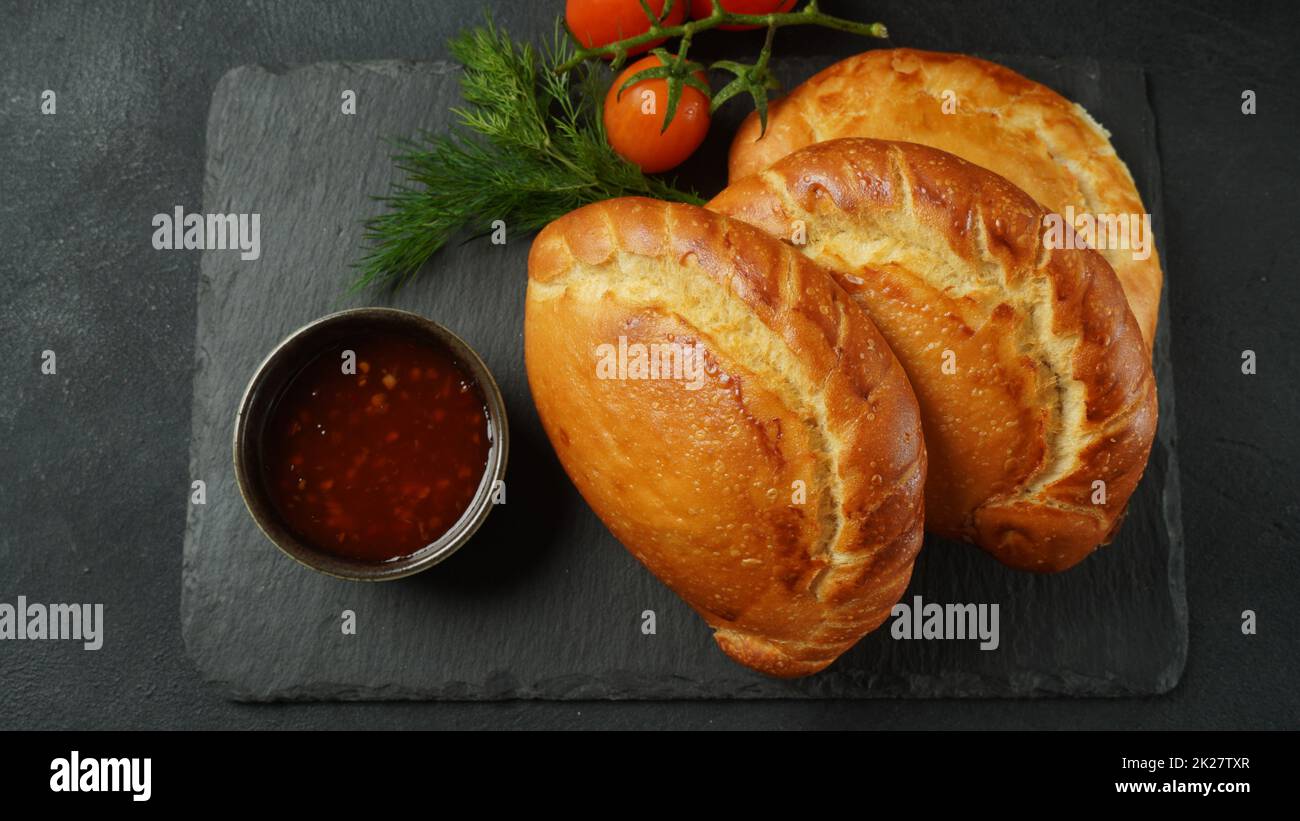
{"points": [[93, 462]]}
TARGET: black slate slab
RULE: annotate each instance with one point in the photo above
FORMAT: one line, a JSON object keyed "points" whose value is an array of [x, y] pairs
{"points": [[544, 603]]}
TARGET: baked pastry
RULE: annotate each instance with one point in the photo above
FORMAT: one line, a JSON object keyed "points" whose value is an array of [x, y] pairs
{"points": [[982, 112], [777, 490], [1033, 380]]}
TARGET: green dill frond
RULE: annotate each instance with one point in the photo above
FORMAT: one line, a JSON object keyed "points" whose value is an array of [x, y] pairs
{"points": [[528, 146]]}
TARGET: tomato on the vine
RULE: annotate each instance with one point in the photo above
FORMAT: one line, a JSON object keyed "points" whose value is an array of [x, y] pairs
{"points": [[601, 22], [703, 8], [633, 120]]}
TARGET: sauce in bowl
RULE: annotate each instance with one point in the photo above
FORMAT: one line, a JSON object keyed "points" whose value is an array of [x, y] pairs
{"points": [[376, 463]]}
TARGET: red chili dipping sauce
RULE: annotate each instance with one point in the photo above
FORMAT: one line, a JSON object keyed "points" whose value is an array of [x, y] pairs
{"points": [[376, 464]]}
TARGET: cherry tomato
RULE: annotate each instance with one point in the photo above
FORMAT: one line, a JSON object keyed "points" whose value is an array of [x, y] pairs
{"points": [[634, 119], [703, 8], [601, 22]]}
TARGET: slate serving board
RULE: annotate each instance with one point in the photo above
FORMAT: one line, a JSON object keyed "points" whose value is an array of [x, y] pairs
{"points": [[543, 602]]}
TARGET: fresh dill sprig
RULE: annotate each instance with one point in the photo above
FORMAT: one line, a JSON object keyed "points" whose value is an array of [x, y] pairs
{"points": [[527, 147]]}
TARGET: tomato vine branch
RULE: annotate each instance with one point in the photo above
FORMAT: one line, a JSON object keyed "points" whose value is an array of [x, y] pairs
{"points": [[810, 15]]}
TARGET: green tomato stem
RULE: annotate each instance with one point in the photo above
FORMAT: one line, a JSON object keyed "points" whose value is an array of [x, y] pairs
{"points": [[808, 16]]}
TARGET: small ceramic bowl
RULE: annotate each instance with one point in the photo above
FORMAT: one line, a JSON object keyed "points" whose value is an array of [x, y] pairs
{"points": [[283, 363]]}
